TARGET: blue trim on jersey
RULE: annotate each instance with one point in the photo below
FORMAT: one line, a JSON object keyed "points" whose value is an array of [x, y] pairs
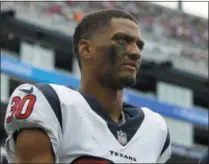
{"points": [[52, 99], [166, 144]]}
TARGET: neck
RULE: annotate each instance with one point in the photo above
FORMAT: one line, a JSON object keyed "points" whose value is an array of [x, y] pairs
{"points": [[111, 100]]}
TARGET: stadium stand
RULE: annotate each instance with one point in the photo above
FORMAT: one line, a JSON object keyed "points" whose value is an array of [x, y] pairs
{"points": [[35, 39], [169, 26]]}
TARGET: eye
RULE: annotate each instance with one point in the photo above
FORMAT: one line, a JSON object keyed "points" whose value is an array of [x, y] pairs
{"points": [[140, 45]]}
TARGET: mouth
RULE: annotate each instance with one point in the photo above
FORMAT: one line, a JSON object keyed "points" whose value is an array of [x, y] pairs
{"points": [[132, 66]]}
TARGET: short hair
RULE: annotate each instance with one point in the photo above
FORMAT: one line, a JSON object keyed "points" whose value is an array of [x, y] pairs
{"points": [[93, 23]]}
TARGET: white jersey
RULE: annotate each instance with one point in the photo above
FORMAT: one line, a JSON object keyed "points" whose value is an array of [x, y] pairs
{"points": [[79, 130]]}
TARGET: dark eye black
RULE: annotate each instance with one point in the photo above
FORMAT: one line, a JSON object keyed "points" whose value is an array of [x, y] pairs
{"points": [[122, 41]]}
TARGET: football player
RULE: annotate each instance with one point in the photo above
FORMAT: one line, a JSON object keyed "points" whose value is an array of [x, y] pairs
{"points": [[49, 123]]}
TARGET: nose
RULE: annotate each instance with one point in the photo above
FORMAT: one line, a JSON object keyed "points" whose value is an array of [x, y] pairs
{"points": [[134, 52]]}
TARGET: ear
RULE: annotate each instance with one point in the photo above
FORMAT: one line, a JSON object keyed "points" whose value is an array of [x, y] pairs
{"points": [[84, 48]]}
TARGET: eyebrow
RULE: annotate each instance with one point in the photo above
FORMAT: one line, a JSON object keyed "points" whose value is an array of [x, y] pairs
{"points": [[128, 37]]}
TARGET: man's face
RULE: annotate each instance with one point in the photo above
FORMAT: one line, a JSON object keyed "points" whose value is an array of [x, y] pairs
{"points": [[118, 54]]}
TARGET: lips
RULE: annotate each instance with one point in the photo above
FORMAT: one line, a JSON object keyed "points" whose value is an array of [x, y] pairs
{"points": [[131, 65]]}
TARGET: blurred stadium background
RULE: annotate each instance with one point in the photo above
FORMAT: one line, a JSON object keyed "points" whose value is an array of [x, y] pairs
{"points": [[173, 80]]}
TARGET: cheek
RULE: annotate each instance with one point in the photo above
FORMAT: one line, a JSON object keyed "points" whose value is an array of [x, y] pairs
{"points": [[101, 63], [109, 58], [104, 68], [116, 53], [121, 49]]}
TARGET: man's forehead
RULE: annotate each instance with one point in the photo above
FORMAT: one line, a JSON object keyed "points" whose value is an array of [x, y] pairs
{"points": [[126, 26]]}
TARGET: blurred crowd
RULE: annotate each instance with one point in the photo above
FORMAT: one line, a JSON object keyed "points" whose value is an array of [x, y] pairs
{"points": [[156, 19], [173, 23], [187, 33]]}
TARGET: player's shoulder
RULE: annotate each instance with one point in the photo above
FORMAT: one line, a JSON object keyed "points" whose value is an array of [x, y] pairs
{"points": [[54, 94], [38, 98], [46, 88], [155, 118], [67, 94], [62, 88]]}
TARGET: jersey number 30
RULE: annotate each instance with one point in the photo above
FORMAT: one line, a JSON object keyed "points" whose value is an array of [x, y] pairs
{"points": [[21, 108]]}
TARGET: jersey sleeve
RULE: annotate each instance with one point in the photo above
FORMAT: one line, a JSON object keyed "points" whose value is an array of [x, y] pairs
{"points": [[166, 148], [33, 106]]}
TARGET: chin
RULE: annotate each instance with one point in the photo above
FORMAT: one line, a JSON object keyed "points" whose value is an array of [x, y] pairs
{"points": [[114, 82], [127, 81]]}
